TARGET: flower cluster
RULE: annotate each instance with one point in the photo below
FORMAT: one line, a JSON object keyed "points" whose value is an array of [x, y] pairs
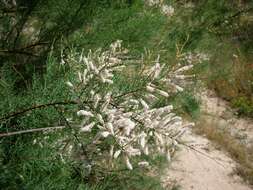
{"points": [[153, 2], [194, 58], [167, 10], [173, 79], [133, 126]]}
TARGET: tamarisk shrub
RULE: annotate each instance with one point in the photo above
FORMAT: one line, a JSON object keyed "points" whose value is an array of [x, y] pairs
{"points": [[118, 126]]}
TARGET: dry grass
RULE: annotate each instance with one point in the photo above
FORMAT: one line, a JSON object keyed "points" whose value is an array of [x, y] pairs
{"points": [[238, 151], [234, 83]]}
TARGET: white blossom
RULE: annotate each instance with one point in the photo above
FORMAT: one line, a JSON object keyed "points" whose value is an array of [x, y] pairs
{"points": [[70, 84], [146, 150], [84, 113], [150, 89], [110, 128], [126, 124], [97, 98], [177, 88], [108, 81], [142, 139], [143, 164], [134, 101], [128, 164], [168, 156], [80, 76], [159, 138], [155, 70], [116, 154], [185, 68], [62, 62], [144, 104], [87, 128], [133, 151], [167, 10], [153, 2], [105, 134], [100, 118], [111, 150], [162, 93], [151, 97], [114, 60]]}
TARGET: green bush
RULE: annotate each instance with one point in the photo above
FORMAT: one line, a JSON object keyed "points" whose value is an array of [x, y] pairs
{"points": [[243, 106]]}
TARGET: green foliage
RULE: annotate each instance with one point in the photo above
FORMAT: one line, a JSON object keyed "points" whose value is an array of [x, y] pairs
{"points": [[137, 28], [187, 103], [223, 30], [35, 166], [41, 160], [243, 106], [28, 29], [128, 82]]}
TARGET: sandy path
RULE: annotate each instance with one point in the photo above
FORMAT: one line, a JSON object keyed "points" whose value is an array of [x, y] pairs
{"points": [[211, 169], [218, 110], [194, 171]]}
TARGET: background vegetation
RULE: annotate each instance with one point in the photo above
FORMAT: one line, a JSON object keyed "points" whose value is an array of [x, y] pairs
{"points": [[35, 35]]}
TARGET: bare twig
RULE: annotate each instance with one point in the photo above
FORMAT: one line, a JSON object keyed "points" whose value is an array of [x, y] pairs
{"points": [[34, 45], [41, 106], [22, 49], [18, 52], [30, 131], [202, 153], [10, 115], [85, 153], [128, 93], [218, 23]]}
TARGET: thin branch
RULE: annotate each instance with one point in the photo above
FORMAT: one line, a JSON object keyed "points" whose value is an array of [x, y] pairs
{"points": [[23, 51], [41, 106], [85, 153], [18, 52], [33, 45], [200, 152], [242, 11], [12, 10], [23, 78], [30, 131], [128, 93], [10, 115], [218, 23]]}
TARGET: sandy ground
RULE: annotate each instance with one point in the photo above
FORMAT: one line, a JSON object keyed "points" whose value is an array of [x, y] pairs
{"points": [[218, 110], [203, 168], [206, 168]]}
